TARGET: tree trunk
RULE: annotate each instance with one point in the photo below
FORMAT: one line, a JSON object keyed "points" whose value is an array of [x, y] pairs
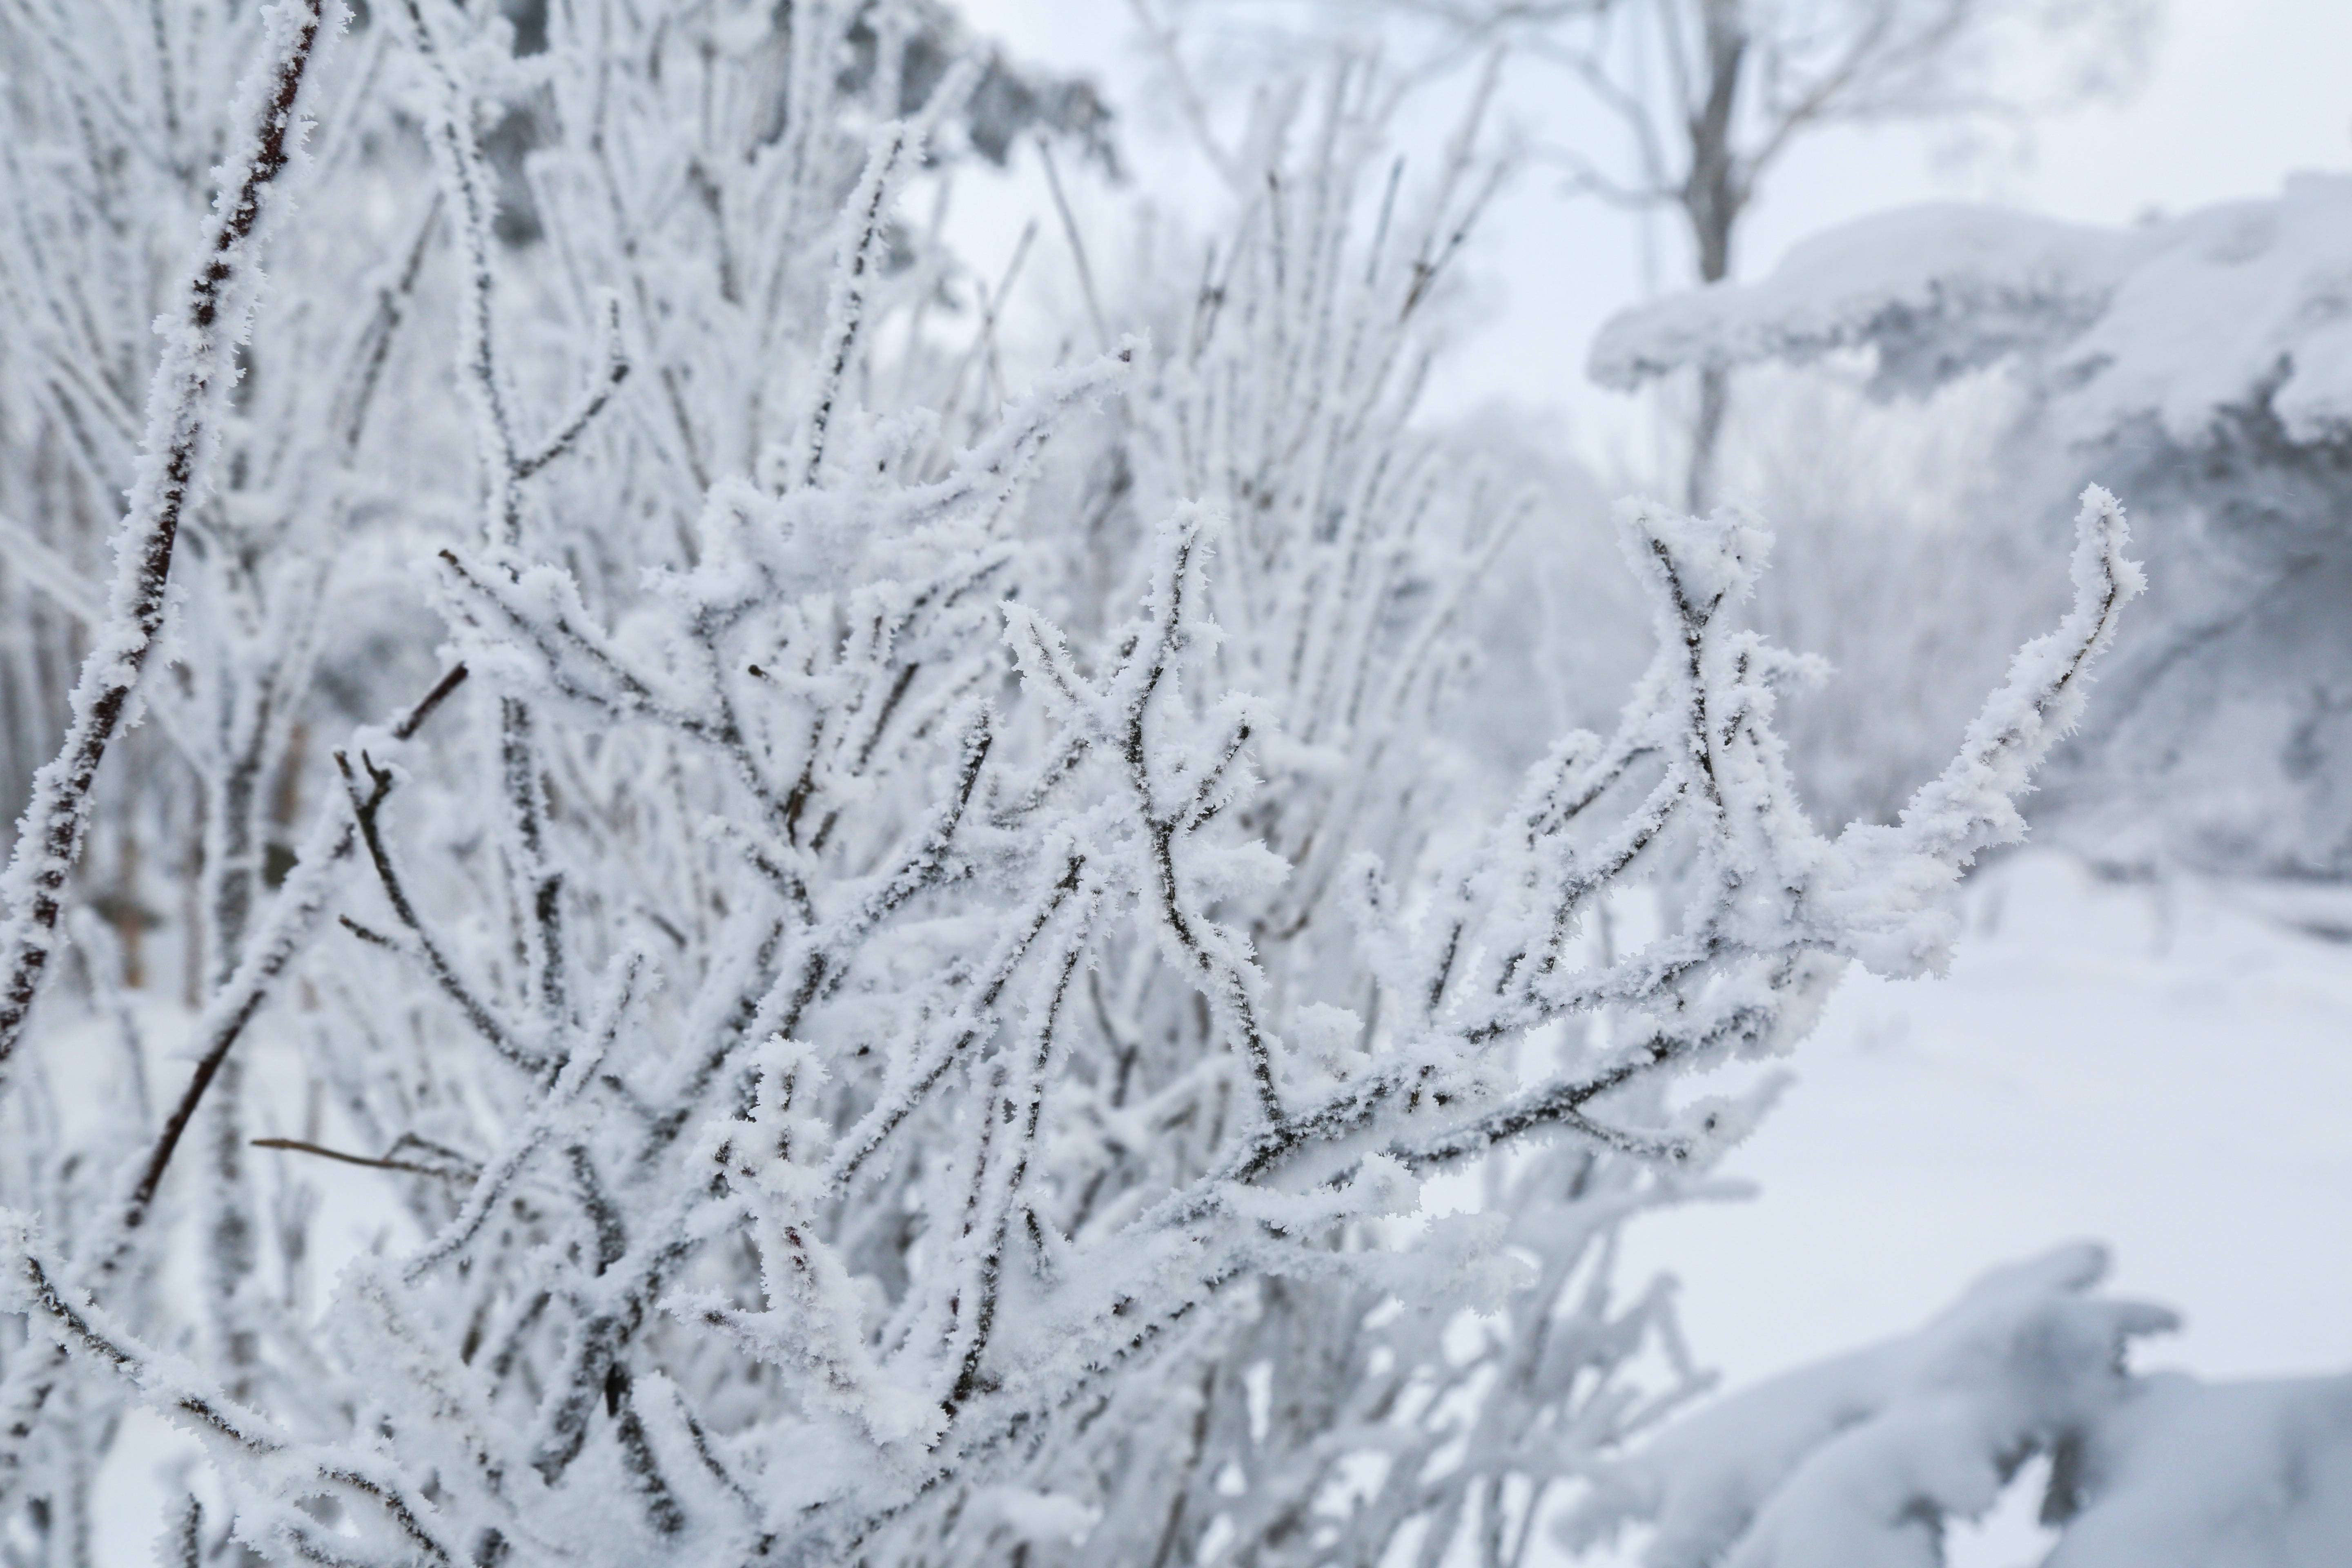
{"points": [[1713, 196]]}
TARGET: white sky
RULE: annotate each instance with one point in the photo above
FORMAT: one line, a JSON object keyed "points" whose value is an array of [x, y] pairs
{"points": [[2237, 95]]}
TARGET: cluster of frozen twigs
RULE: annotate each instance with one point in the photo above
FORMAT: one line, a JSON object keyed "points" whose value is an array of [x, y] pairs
{"points": [[911, 967]]}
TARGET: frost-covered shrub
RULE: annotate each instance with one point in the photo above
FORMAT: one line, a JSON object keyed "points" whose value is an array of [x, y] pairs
{"points": [[2205, 361], [901, 958], [1865, 1460]]}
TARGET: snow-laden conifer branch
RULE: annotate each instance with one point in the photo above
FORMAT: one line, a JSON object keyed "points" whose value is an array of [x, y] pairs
{"points": [[1873, 1453], [184, 400]]}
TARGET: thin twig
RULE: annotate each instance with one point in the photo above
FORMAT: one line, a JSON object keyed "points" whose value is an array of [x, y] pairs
{"points": [[1078, 244], [300, 1147]]}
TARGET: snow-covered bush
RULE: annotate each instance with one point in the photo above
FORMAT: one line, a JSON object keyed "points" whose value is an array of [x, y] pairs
{"points": [[2206, 361], [901, 958], [1865, 1462]]}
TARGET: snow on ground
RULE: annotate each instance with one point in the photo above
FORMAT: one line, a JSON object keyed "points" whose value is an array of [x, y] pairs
{"points": [[2164, 1067]]}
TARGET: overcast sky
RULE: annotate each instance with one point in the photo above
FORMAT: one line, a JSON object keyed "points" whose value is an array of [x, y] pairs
{"points": [[2237, 95]]}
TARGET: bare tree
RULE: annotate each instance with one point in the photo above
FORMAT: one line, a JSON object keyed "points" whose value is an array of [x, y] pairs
{"points": [[1712, 94]]}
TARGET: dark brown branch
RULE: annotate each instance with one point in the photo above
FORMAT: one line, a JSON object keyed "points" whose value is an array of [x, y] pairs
{"points": [[415, 718], [297, 1146], [184, 401]]}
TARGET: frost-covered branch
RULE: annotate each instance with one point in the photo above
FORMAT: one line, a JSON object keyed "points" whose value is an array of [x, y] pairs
{"points": [[184, 402]]}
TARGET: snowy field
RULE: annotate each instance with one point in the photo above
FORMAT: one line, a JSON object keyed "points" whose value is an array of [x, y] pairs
{"points": [[2161, 1066]]}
